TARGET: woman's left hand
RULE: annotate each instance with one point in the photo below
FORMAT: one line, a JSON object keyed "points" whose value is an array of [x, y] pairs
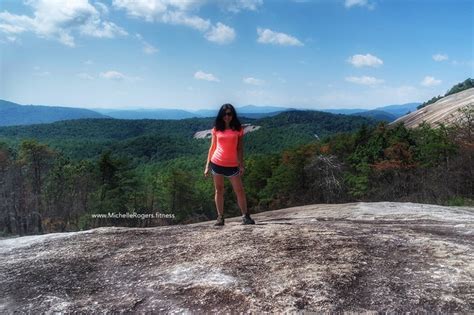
{"points": [[241, 170]]}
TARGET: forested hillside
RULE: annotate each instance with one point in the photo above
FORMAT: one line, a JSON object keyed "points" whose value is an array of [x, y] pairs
{"points": [[159, 140], [147, 166]]}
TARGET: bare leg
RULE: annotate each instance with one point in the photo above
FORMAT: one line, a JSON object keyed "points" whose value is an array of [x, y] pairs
{"points": [[238, 187], [219, 194]]}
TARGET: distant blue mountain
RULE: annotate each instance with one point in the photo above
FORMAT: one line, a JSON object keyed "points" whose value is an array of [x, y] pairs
{"points": [[208, 112], [15, 114], [382, 113], [399, 110], [250, 111], [345, 111], [262, 109], [159, 113]]}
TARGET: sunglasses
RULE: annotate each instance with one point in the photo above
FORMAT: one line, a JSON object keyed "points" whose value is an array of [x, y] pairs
{"points": [[228, 114]]}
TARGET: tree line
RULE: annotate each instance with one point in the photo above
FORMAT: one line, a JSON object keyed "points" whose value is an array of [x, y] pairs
{"points": [[43, 190]]}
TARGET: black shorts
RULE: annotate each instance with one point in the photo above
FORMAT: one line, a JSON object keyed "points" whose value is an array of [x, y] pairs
{"points": [[224, 170]]}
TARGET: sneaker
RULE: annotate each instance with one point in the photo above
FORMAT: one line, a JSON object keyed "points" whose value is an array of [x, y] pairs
{"points": [[246, 219], [220, 221]]}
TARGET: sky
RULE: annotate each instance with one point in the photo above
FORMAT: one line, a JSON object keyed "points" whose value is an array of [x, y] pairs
{"points": [[195, 54]]}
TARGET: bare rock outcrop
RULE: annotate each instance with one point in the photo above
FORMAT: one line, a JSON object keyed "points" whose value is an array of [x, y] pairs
{"points": [[207, 133], [444, 110], [363, 257]]}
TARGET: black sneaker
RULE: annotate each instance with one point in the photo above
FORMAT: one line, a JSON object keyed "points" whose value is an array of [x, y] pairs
{"points": [[246, 219], [220, 221]]}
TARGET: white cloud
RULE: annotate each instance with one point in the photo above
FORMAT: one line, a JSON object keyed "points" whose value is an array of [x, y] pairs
{"points": [[59, 20], [182, 18], [253, 81], [88, 62], [239, 5], [18, 24], [102, 8], [117, 76], [364, 80], [440, 57], [153, 10], [360, 3], [221, 34], [367, 60], [85, 76], [430, 81], [267, 36], [166, 11], [12, 39], [148, 48], [181, 12], [200, 75], [112, 75]]}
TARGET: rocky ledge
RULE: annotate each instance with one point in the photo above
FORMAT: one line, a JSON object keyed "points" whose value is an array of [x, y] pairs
{"points": [[360, 257]]}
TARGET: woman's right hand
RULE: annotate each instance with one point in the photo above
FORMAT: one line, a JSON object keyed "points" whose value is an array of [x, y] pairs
{"points": [[206, 171]]}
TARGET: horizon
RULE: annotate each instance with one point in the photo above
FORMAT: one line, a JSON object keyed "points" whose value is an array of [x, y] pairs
{"points": [[309, 55], [208, 108]]}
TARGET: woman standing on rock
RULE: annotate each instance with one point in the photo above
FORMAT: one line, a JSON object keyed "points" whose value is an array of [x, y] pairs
{"points": [[226, 159]]}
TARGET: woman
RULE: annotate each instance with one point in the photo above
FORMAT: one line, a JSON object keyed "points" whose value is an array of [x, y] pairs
{"points": [[226, 159]]}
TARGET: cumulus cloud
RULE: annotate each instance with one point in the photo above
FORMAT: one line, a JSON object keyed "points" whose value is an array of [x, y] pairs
{"points": [[102, 8], [117, 76], [181, 18], [440, 57], [155, 10], [360, 3], [112, 75], [221, 34], [181, 12], [200, 75], [60, 20], [253, 81], [364, 80], [429, 81], [367, 60], [267, 36]]}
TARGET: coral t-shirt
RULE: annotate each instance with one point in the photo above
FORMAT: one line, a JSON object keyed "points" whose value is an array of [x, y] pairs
{"points": [[225, 153]]}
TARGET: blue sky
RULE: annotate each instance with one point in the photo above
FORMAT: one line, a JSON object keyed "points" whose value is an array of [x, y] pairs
{"points": [[193, 54]]}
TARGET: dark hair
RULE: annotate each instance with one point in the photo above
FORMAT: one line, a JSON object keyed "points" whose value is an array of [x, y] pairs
{"points": [[234, 123]]}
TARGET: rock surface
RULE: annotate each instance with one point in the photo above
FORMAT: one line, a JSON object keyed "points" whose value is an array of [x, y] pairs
{"points": [[208, 133], [380, 256], [444, 110]]}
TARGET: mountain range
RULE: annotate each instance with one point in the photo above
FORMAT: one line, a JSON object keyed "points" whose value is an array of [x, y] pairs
{"points": [[16, 114]]}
